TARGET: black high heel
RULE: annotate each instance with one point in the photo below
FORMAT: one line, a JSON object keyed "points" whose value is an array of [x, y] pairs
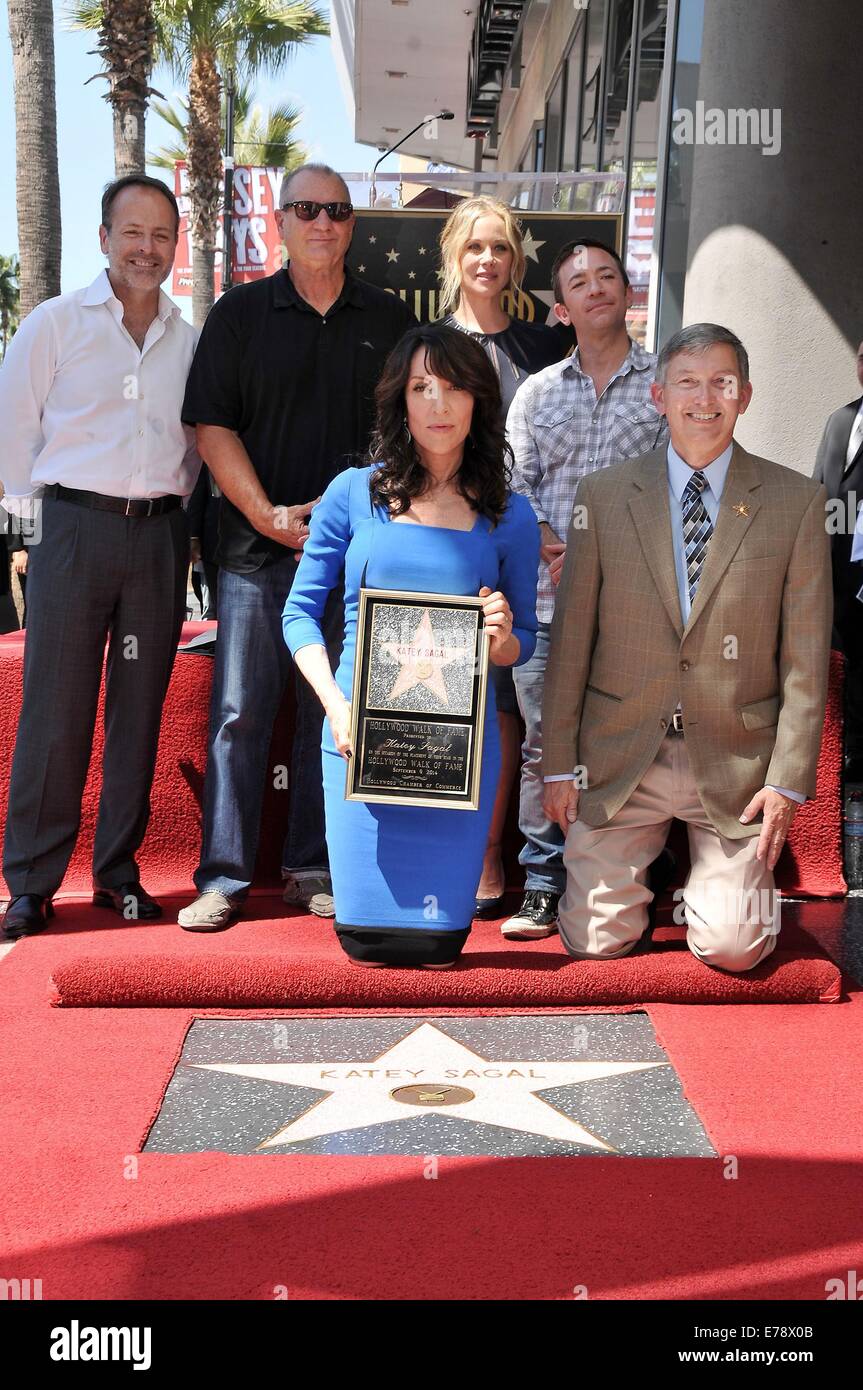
{"points": [[487, 908]]}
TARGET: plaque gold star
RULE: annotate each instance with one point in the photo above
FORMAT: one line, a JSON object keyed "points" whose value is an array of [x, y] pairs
{"points": [[430, 1071], [421, 660]]}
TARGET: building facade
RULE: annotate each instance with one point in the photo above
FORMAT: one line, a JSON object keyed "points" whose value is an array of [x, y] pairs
{"points": [[734, 124]]}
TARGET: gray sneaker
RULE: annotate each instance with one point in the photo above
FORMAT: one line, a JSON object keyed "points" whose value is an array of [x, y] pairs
{"points": [[209, 912], [314, 892]]}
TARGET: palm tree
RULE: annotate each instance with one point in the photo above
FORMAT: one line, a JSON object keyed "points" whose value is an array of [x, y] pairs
{"points": [[263, 138], [199, 39], [127, 37], [249, 36], [37, 181], [10, 295]]}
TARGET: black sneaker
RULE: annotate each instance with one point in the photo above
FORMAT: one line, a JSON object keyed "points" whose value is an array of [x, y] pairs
{"points": [[536, 917]]}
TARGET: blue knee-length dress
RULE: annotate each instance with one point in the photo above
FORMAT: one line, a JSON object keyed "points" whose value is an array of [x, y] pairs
{"points": [[407, 867]]}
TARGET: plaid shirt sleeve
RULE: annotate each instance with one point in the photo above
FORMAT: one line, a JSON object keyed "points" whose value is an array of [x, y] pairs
{"points": [[527, 467]]}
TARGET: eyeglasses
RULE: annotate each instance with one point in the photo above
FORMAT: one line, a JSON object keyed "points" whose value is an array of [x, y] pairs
{"points": [[307, 211]]}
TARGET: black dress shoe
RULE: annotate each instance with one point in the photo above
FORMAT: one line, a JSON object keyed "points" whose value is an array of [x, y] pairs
{"points": [[26, 915], [129, 900]]}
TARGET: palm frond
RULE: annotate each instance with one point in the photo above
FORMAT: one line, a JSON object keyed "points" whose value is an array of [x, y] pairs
{"points": [[175, 116], [263, 35], [261, 137], [268, 139], [247, 35], [83, 14]]}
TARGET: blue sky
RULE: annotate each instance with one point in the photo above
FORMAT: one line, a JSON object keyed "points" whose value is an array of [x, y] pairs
{"points": [[86, 146]]}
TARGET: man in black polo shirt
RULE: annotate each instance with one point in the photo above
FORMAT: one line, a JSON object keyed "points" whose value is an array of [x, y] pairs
{"points": [[282, 393]]}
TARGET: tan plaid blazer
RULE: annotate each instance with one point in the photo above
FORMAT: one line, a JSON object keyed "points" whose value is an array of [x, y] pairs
{"points": [[749, 669]]}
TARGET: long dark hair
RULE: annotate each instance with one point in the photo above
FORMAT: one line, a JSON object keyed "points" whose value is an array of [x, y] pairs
{"points": [[483, 479]]}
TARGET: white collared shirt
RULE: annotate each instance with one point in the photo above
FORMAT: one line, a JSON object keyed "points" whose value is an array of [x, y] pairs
{"points": [[855, 438], [679, 473], [84, 406], [857, 541]]}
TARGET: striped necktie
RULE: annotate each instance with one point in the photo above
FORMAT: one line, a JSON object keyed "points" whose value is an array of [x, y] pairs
{"points": [[697, 530]]}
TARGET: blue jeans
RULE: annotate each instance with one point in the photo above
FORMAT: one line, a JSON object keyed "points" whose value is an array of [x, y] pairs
{"points": [[252, 666], [542, 855]]}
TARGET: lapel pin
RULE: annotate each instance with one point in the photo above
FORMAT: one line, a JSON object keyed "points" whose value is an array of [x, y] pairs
{"points": [[741, 509]]}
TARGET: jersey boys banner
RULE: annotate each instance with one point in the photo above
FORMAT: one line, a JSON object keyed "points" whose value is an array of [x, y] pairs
{"points": [[256, 249]]}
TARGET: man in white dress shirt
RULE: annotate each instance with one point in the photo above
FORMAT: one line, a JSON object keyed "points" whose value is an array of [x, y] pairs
{"points": [[90, 396]]}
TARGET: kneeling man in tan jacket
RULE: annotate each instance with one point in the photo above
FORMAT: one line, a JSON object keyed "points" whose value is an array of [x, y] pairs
{"points": [[687, 675]]}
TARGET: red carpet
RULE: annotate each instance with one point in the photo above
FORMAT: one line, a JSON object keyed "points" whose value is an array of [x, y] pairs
{"points": [[777, 1088], [296, 962], [169, 854], [811, 864]]}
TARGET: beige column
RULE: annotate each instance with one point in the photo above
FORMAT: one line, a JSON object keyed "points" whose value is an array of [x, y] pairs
{"points": [[775, 239]]}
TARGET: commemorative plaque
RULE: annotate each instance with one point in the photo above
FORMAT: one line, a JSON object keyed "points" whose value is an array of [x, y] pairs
{"points": [[418, 706]]}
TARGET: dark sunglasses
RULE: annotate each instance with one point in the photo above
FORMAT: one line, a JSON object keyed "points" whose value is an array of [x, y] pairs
{"points": [[307, 212]]}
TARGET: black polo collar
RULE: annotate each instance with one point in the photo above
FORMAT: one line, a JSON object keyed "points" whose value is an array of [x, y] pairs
{"points": [[285, 295]]}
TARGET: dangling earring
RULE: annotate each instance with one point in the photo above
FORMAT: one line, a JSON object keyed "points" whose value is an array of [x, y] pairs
{"points": [[407, 429]]}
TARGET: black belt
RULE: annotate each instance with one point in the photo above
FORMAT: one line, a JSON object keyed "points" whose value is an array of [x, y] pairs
{"points": [[131, 506]]}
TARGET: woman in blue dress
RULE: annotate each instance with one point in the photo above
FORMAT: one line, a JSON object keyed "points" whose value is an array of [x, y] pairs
{"points": [[432, 514], [482, 266]]}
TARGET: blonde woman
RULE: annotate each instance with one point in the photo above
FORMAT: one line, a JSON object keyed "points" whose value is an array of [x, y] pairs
{"points": [[482, 261], [482, 267]]}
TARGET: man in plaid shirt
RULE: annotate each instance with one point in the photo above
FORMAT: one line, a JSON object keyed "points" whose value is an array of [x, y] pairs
{"points": [[586, 412]]}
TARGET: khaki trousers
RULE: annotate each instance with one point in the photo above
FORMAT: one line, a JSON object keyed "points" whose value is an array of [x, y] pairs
{"points": [[728, 904]]}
